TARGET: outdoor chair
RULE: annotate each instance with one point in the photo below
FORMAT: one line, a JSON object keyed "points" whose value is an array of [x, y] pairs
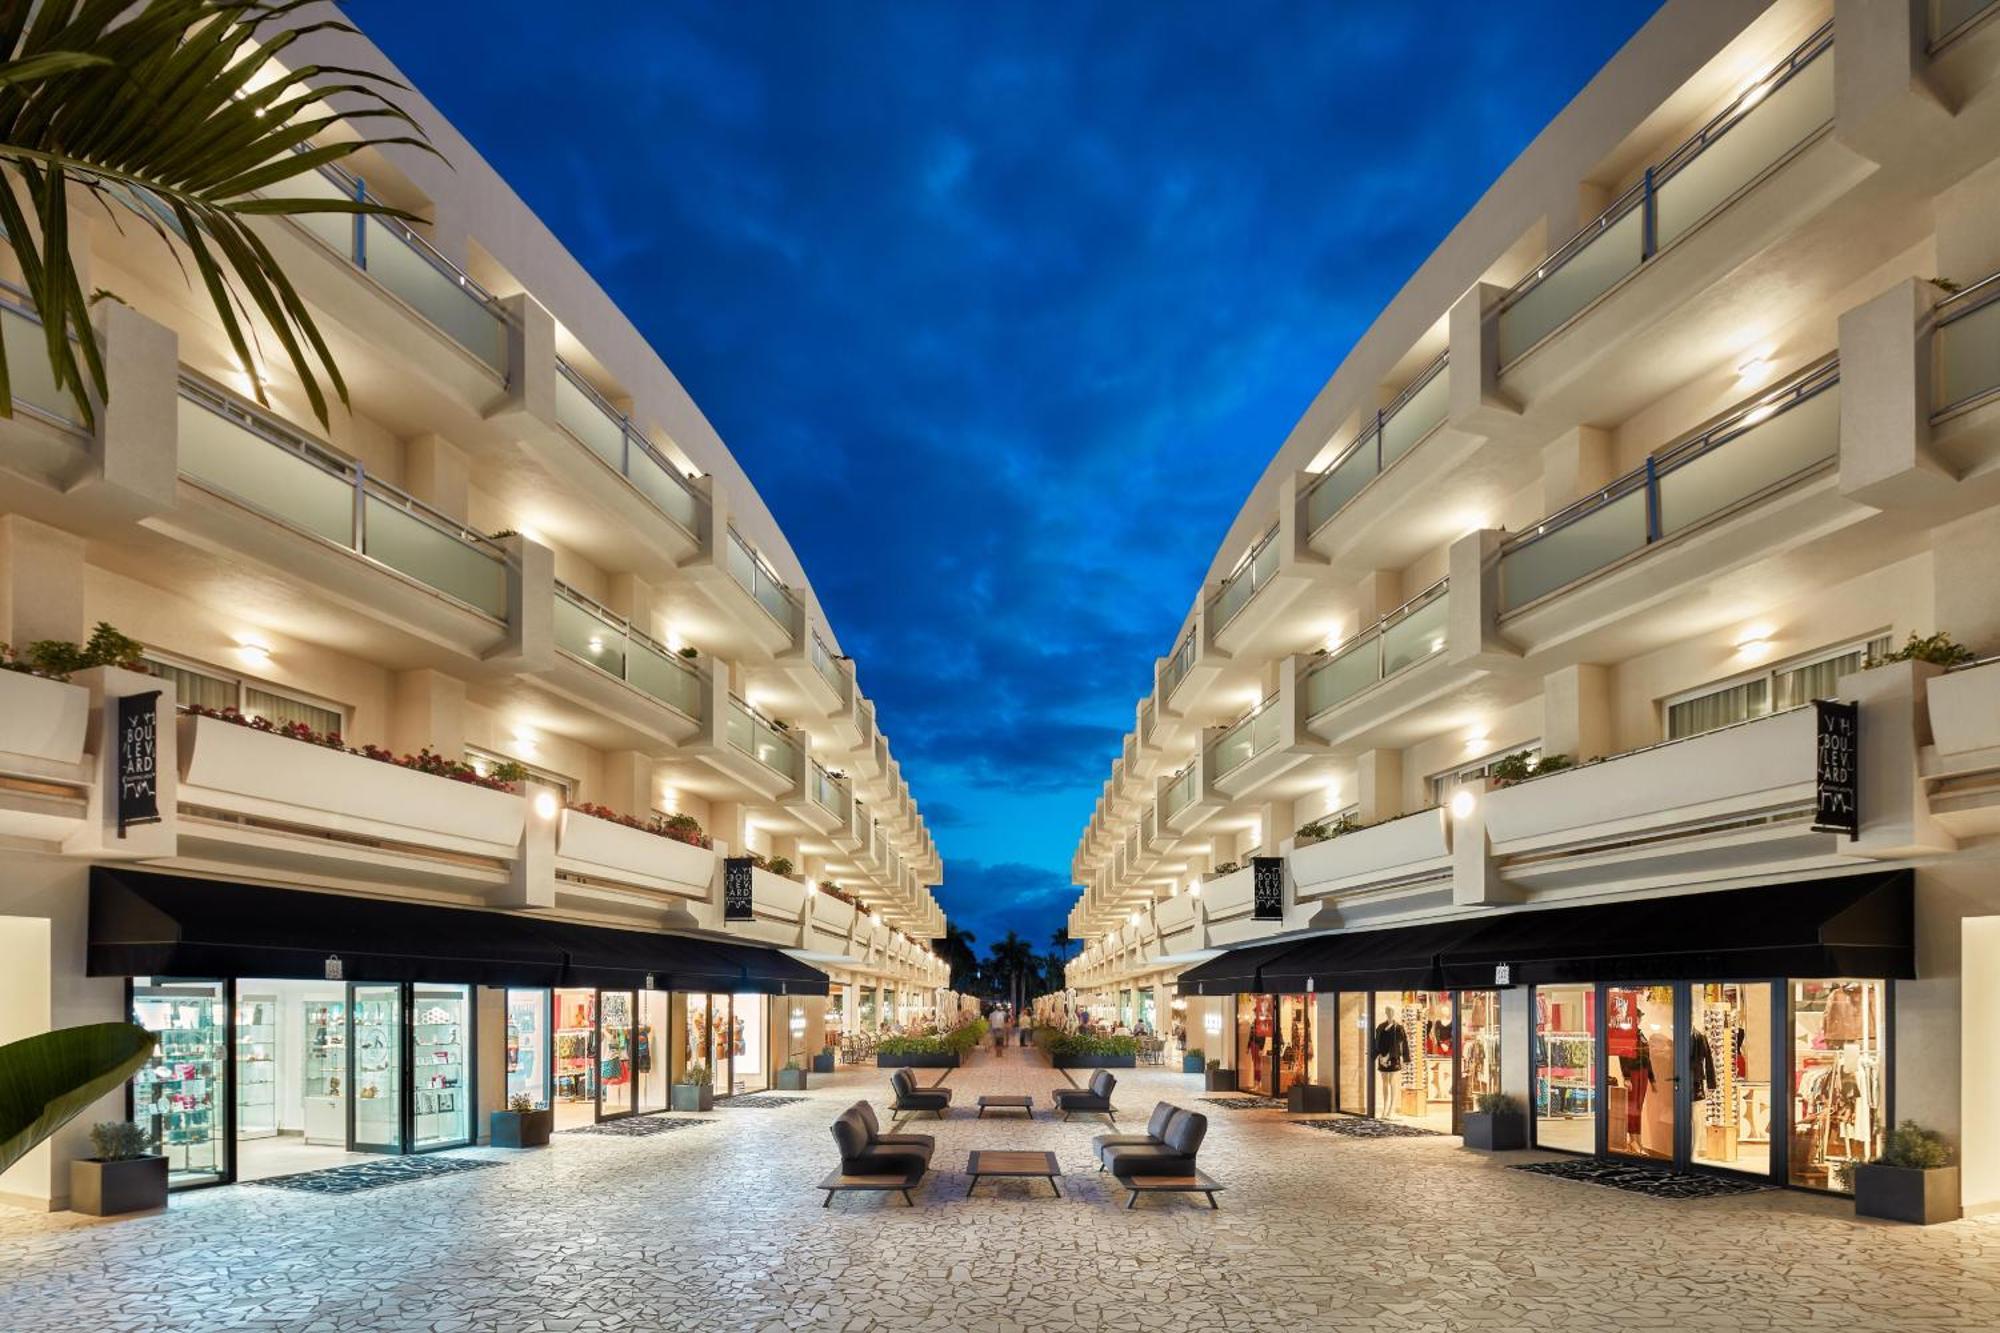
{"points": [[1095, 1100], [1173, 1155], [924, 1144], [869, 1164], [912, 1100], [1155, 1135]]}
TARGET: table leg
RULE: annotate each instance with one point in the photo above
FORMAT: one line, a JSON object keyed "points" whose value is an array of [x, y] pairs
{"points": [[1056, 1185], [970, 1186], [1134, 1199], [829, 1200], [908, 1203], [1211, 1200]]}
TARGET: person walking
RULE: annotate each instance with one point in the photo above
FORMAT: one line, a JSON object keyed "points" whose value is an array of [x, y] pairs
{"points": [[998, 1023]]}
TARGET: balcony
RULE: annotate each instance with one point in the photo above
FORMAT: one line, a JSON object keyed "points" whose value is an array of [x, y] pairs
{"points": [[1965, 349], [762, 739], [607, 433], [1413, 850], [1412, 634], [1756, 450], [822, 802], [597, 849], [1250, 578], [749, 573], [1412, 418], [824, 678], [590, 634], [1949, 20], [30, 376], [777, 906], [1178, 666]]}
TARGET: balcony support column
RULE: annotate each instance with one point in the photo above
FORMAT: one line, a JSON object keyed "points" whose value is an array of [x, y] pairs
{"points": [[1378, 785], [1576, 712], [136, 453], [427, 712], [1886, 458], [41, 582], [1896, 818], [531, 880], [531, 607], [1883, 98], [1478, 404], [99, 837], [1472, 635], [531, 362], [1475, 876]]}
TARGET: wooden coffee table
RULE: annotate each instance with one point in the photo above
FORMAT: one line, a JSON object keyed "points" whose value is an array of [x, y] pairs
{"points": [[985, 1162], [1024, 1101], [1194, 1184]]}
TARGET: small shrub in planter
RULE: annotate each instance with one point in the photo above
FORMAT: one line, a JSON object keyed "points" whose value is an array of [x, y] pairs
{"points": [[792, 1078], [521, 1125], [823, 1062], [694, 1092], [1939, 649], [1194, 1062], [125, 1176], [1913, 1181], [1499, 1125]]}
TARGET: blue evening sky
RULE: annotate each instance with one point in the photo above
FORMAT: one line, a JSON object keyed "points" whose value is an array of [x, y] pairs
{"points": [[1003, 307]]}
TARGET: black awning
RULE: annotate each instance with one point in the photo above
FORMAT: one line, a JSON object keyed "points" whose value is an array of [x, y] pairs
{"points": [[623, 959], [1233, 971], [774, 972], [1391, 958], [1844, 926], [144, 924]]}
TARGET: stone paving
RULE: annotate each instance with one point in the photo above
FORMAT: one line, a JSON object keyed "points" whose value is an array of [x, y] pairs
{"points": [[721, 1229]]}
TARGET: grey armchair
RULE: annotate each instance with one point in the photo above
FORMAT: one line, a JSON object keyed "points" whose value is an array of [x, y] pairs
{"points": [[1155, 1135], [912, 1100], [1095, 1100], [1174, 1155]]}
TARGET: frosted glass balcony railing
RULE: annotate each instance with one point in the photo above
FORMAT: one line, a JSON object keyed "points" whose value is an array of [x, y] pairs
{"points": [[1177, 666], [1250, 578], [30, 377], [1412, 633], [1398, 428], [864, 713], [1763, 127], [757, 580], [597, 637], [1952, 19], [406, 266], [606, 432], [826, 793], [235, 450], [1146, 716], [827, 665], [1762, 446], [1180, 791], [1965, 348], [1249, 737], [761, 739]]}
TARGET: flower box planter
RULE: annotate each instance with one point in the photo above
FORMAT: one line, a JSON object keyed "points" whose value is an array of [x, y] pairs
{"points": [[617, 852], [929, 1060], [1219, 1080], [1308, 1099], [1194, 1064], [1907, 1193], [1095, 1061], [99, 1188], [1495, 1133], [692, 1097], [791, 1080], [824, 1061], [43, 719], [521, 1129]]}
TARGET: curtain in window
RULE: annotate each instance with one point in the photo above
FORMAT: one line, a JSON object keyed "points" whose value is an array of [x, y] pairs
{"points": [[193, 687], [277, 708], [1739, 703]]}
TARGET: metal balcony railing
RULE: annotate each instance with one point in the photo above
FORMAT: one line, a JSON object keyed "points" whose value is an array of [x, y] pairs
{"points": [[1249, 578], [828, 666], [1398, 428], [599, 638], [762, 739], [1965, 350], [1953, 19], [756, 578], [1251, 735], [1180, 790], [593, 422], [1412, 633], [1178, 666], [30, 377]]}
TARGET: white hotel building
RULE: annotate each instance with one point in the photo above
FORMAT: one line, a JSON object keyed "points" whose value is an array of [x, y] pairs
{"points": [[523, 543], [1696, 412]]}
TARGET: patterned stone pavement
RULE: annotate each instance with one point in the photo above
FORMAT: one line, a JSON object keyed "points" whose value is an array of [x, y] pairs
{"points": [[719, 1229]]}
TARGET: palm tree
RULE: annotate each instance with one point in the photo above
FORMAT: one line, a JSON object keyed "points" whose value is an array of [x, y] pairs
{"points": [[175, 113], [957, 951], [1013, 959], [1061, 941]]}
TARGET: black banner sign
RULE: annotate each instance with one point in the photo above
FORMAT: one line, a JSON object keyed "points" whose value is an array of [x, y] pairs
{"points": [[1267, 888], [1837, 768], [138, 760], [738, 900]]}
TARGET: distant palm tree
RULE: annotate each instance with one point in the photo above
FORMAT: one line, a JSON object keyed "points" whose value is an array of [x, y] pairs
{"points": [[960, 957], [174, 113], [1013, 962], [1061, 941]]}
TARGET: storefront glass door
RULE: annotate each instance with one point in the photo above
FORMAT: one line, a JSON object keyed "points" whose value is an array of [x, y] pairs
{"points": [[181, 1096], [750, 1051], [1256, 1039], [1729, 1075], [1297, 1062], [1478, 1047], [575, 1057], [376, 1073], [649, 1054], [616, 1087], [1639, 1077], [528, 1046], [1351, 1052], [1565, 1108], [1412, 1042], [440, 1066], [1839, 1055]]}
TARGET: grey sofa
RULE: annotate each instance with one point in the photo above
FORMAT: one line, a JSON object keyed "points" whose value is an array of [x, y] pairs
{"points": [[1094, 1100], [913, 1100], [1173, 1155], [870, 1163], [1156, 1129]]}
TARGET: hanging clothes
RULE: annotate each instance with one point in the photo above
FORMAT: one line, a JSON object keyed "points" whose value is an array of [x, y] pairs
{"points": [[1701, 1068], [1842, 1022]]}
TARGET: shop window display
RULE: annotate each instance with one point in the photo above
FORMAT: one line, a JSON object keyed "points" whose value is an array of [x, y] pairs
{"points": [[178, 1096], [378, 1068], [1297, 1062], [323, 1081], [616, 1075], [1566, 1068], [1639, 1071], [1411, 1052], [440, 1048], [256, 1066], [750, 1063], [1729, 1075], [1352, 1053], [1478, 1046], [1839, 1050], [649, 1063], [868, 1009], [528, 1046], [1256, 1033], [575, 1059]]}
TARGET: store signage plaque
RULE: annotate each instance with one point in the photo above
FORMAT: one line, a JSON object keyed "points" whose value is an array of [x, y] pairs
{"points": [[138, 760], [335, 971], [738, 902], [1837, 808], [1267, 886], [1503, 974]]}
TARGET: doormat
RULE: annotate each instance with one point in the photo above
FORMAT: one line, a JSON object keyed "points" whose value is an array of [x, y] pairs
{"points": [[640, 1126], [373, 1175], [1361, 1127], [1246, 1103], [758, 1101], [1647, 1180]]}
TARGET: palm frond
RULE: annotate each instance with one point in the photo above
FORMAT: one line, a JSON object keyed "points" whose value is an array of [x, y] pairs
{"points": [[180, 109]]}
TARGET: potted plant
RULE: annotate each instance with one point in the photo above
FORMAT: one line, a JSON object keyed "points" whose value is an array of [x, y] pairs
{"points": [[1194, 1062], [1218, 1079], [521, 1125], [792, 1078], [823, 1063], [1498, 1125], [1913, 1180], [694, 1092], [125, 1175]]}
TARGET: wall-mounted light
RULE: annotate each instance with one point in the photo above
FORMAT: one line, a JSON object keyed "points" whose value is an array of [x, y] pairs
{"points": [[1132, 919], [1753, 372], [524, 745], [1462, 803], [1754, 643], [1194, 888], [1476, 741], [812, 887], [596, 645], [1761, 412], [670, 800], [545, 804], [253, 653]]}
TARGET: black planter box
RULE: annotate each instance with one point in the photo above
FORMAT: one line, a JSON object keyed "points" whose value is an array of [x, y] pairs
{"points": [[823, 1062], [521, 1129], [791, 1080], [692, 1097], [1308, 1099], [948, 1060], [1220, 1080], [1194, 1064], [1495, 1133], [1907, 1193], [106, 1189], [1095, 1061]]}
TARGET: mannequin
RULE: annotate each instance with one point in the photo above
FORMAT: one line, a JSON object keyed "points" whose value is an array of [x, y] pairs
{"points": [[1391, 1046]]}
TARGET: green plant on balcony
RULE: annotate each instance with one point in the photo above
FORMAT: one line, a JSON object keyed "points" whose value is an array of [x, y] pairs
{"points": [[1524, 764], [59, 659], [193, 118], [1325, 830], [1226, 868], [780, 865], [679, 828], [1939, 649], [689, 652]]}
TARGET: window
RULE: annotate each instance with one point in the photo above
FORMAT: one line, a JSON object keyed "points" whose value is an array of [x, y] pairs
{"points": [[1791, 684], [484, 761], [1444, 784], [206, 688]]}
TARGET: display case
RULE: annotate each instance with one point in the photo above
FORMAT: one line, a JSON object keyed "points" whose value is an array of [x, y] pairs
{"points": [[441, 1109], [256, 1066], [180, 1094], [377, 1067], [323, 1072]]}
